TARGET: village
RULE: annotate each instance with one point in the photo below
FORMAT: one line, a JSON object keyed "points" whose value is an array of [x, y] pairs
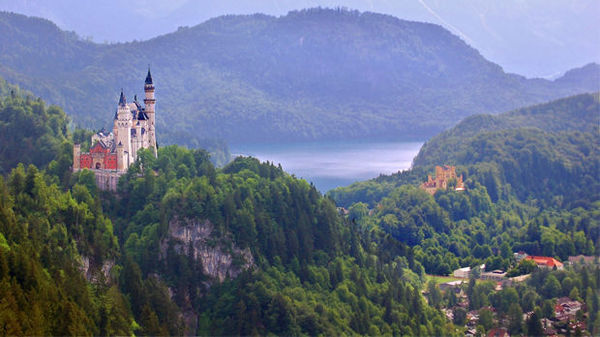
{"points": [[566, 316], [561, 314]]}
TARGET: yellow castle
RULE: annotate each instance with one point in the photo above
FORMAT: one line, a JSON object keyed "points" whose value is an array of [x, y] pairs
{"points": [[443, 174]]}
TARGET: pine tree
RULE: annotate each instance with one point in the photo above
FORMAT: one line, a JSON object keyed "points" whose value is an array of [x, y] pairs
{"points": [[534, 326]]}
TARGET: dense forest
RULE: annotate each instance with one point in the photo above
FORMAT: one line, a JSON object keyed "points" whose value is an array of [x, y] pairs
{"points": [[533, 188], [265, 78], [184, 247], [520, 181]]}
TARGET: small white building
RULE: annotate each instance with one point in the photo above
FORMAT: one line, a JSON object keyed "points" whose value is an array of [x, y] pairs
{"points": [[466, 271], [462, 272], [494, 275]]}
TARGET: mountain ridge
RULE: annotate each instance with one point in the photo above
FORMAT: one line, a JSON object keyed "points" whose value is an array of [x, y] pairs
{"points": [[310, 75], [575, 113]]}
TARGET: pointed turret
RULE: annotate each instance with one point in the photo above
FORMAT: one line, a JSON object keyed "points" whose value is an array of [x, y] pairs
{"points": [[150, 101], [149, 77], [122, 100]]}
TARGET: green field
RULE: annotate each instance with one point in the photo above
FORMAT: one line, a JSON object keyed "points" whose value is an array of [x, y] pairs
{"points": [[443, 279]]}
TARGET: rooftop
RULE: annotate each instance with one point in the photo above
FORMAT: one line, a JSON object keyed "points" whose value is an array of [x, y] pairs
{"points": [[545, 260]]}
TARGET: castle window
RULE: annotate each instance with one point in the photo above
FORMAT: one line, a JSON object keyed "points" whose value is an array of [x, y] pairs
{"points": [[133, 132]]}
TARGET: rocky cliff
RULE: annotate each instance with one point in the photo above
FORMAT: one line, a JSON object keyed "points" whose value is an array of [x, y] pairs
{"points": [[96, 273], [219, 256]]}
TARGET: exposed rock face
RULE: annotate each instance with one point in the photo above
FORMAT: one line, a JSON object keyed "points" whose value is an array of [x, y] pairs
{"points": [[93, 272], [106, 268], [219, 256], [84, 267]]}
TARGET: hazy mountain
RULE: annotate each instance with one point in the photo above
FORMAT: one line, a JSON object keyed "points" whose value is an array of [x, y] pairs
{"points": [[312, 74], [518, 35], [546, 155], [577, 113]]}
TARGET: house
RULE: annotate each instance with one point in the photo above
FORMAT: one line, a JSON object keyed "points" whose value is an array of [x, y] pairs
{"points": [[466, 271], [583, 259], [494, 275], [498, 332], [499, 286], [520, 256], [462, 272], [472, 317], [548, 327], [545, 262], [566, 308], [573, 326]]}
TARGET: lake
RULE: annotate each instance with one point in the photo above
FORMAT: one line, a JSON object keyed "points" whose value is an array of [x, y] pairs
{"points": [[332, 164]]}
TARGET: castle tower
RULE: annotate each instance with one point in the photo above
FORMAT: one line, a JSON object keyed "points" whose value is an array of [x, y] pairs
{"points": [[76, 156], [122, 130], [121, 159], [149, 102]]}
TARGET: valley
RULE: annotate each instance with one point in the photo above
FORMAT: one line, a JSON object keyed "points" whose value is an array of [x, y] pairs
{"points": [[392, 182]]}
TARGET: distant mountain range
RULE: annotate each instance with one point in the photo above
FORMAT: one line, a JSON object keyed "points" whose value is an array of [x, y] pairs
{"points": [[315, 74], [536, 28]]}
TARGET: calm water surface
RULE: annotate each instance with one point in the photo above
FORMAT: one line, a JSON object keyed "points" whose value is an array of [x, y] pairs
{"points": [[332, 164]]}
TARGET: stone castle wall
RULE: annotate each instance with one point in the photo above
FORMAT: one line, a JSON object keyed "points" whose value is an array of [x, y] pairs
{"points": [[107, 180]]}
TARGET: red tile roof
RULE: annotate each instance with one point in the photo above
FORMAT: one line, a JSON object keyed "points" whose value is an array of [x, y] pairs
{"points": [[546, 261], [498, 332]]}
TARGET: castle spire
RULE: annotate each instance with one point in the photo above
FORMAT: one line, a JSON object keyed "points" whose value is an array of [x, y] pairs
{"points": [[149, 102], [149, 76], [122, 100]]}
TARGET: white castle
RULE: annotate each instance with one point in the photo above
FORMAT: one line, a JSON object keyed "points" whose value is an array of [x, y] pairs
{"points": [[112, 153]]}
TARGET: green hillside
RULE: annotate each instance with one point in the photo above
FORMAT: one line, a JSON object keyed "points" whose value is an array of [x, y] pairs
{"points": [[532, 186], [32, 133], [576, 113], [310, 75], [515, 178], [185, 248]]}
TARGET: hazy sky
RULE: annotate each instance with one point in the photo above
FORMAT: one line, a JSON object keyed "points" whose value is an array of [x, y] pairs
{"points": [[529, 37]]}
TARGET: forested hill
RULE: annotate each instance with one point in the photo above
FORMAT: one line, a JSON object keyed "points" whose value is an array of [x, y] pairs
{"points": [[185, 248], [31, 132], [312, 74], [545, 153], [534, 188], [576, 113]]}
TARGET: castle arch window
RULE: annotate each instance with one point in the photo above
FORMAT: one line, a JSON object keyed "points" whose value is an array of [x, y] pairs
{"points": [[98, 166]]}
